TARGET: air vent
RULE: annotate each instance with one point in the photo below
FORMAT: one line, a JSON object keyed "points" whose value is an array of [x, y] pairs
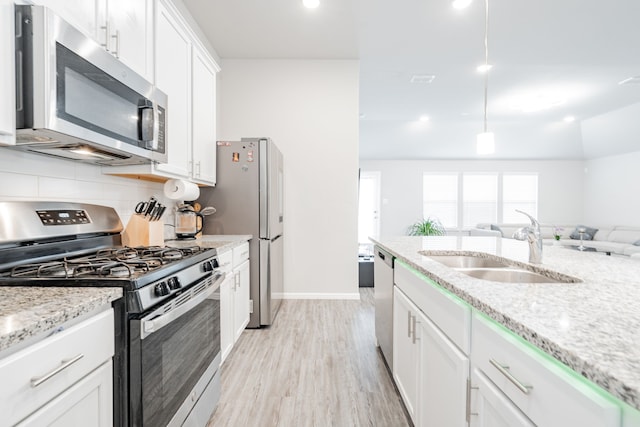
{"points": [[422, 78], [630, 81]]}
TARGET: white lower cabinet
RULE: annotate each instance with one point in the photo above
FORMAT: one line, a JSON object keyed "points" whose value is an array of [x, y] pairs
{"points": [[86, 403], [241, 298], [405, 351], [234, 296], [430, 371], [227, 314], [547, 392], [491, 408], [65, 379]]}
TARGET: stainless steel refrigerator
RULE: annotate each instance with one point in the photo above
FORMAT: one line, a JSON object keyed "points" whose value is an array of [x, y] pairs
{"points": [[248, 198]]}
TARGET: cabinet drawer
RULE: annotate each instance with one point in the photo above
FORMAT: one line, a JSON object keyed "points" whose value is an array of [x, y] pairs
{"points": [[544, 389], [449, 314], [240, 253], [225, 259], [72, 353]]}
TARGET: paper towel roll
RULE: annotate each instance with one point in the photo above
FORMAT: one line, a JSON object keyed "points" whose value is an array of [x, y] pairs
{"points": [[177, 189]]}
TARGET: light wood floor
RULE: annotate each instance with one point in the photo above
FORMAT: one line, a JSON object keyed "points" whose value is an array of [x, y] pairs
{"points": [[317, 365]]}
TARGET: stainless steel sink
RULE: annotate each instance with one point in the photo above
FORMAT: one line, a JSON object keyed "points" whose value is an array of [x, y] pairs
{"points": [[468, 261], [497, 270], [509, 275]]}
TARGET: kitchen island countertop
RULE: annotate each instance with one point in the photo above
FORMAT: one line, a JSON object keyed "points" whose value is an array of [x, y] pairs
{"points": [[593, 326], [29, 313]]}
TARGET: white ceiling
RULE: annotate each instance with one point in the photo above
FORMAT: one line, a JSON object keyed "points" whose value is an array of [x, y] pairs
{"points": [[578, 48]]}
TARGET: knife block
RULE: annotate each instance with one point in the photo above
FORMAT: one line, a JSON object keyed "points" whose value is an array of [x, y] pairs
{"points": [[142, 232]]}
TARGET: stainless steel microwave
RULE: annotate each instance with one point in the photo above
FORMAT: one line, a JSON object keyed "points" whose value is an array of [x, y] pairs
{"points": [[75, 100]]}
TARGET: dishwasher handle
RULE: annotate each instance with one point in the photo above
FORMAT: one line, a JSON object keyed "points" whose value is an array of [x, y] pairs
{"points": [[385, 256]]}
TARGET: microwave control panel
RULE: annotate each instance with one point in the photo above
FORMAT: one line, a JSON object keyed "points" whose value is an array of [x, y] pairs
{"points": [[63, 217]]}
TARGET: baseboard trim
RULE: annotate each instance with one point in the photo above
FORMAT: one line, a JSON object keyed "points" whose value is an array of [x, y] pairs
{"points": [[318, 295]]}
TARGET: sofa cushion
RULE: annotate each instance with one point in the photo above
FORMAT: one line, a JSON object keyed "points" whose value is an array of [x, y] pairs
{"points": [[637, 243], [631, 249], [603, 233], [628, 235], [587, 235]]}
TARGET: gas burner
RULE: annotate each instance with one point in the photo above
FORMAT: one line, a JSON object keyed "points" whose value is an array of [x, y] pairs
{"points": [[120, 254], [49, 269], [108, 269]]}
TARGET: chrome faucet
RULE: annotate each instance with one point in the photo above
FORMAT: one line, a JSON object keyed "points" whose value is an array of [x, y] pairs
{"points": [[532, 235]]}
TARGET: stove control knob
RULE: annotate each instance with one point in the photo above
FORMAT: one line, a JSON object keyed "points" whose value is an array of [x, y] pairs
{"points": [[208, 266], [174, 283], [162, 289]]}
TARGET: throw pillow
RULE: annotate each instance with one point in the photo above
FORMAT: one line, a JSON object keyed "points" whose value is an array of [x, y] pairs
{"points": [[496, 228], [636, 243], [587, 235]]}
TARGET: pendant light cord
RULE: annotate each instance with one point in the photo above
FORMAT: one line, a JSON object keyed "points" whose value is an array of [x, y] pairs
{"points": [[486, 60]]}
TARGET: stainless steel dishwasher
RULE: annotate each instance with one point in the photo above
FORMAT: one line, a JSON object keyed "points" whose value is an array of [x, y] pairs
{"points": [[383, 292]]}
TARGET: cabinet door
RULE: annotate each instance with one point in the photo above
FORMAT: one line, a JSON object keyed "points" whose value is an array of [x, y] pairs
{"points": [[242, 298], [227, 315], [89, 402], [173, 77], [85, 15], [405, 351], [204, 119], [131, 34], [444, 371], [492, 408], [7, 75]]}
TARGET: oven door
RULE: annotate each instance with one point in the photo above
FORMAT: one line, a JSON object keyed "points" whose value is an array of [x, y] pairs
{"points": [[171, 349]]}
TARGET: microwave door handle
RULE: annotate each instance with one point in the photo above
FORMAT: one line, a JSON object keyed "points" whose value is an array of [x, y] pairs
{"points": [[146, 126]]}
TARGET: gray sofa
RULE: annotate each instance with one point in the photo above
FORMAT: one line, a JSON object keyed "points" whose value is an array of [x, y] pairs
{"points": [[618, 239]]}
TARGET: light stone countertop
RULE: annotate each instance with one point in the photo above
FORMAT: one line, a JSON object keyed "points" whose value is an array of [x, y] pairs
{"points": [[29, 312], [593, 327], [221, 242]]}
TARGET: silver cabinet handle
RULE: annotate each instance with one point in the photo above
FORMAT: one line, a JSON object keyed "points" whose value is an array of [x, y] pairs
{"points": [[36, 381], [116, 51], [408, 324], [504, 370], [198, 169], [105, 27], [414, 329]]}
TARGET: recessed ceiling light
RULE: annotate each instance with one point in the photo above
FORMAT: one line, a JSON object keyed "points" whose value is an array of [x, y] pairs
{"points": [[424, 118], [484, 68], [422, 78], [311, 4], [460, 4], [569, 119]]}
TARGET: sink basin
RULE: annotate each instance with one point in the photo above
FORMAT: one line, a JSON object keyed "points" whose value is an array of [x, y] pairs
{"points": [[508, 275], [468, 261]]}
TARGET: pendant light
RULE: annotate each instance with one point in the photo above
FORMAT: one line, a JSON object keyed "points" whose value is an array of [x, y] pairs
{"points": [[485, 143]]}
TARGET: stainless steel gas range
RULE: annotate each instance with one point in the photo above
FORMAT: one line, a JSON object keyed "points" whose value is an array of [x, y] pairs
{"points": [[168, 323]]}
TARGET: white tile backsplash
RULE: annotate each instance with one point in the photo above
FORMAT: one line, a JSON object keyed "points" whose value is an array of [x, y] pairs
{"points": [[26, 176]]}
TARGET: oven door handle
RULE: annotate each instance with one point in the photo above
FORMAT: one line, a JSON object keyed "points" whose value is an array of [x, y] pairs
{"points": [[148, 327]]}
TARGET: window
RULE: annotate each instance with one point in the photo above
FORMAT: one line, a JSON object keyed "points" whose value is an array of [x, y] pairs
{"points": [[479, 199], [463, 200], [519, 192], [440, 196]]}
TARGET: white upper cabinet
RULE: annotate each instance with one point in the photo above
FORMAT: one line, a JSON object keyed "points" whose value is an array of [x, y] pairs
{"points": [[204, 118], [123, 27], [173, 77], [186, 72], [127, 31], [7, 75]]}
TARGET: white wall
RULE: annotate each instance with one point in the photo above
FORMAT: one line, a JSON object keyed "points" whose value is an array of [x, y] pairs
{"points": [[25, 176], [310, 109], [560, 187], [611, 190]]}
